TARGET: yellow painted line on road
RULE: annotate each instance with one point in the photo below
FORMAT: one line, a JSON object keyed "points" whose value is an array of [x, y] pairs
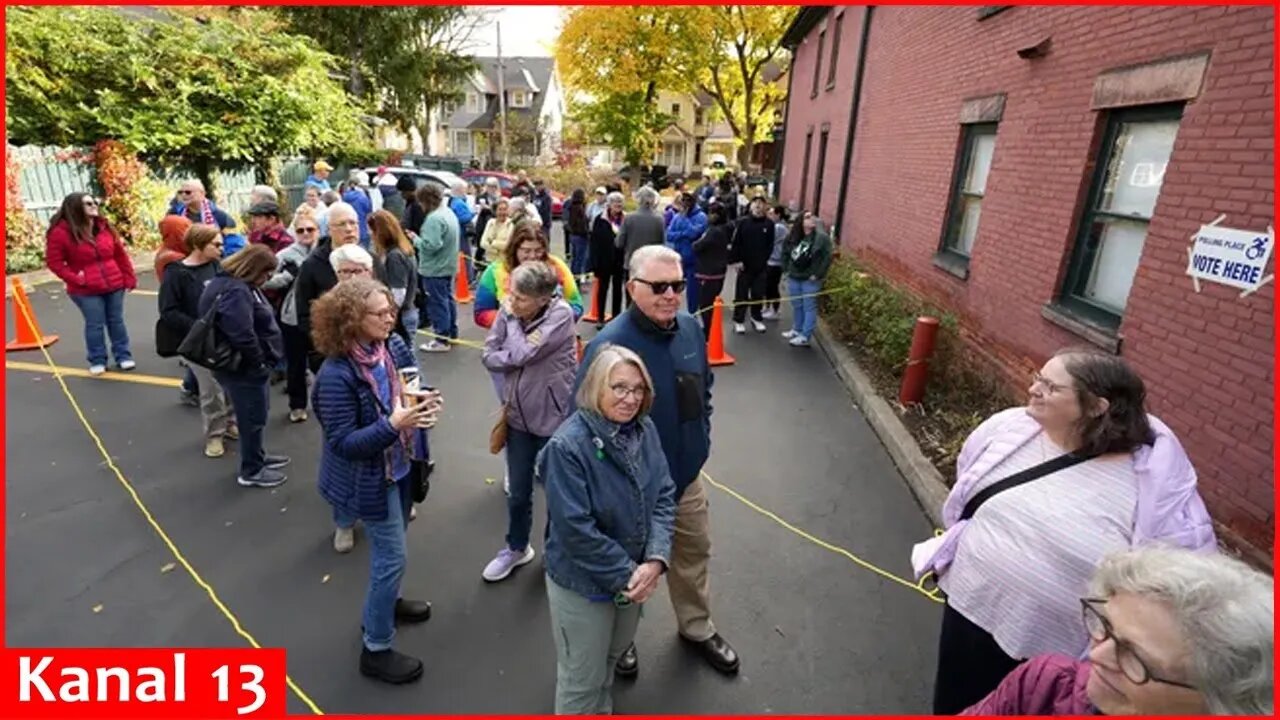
{"points": [[132, 377], [145, 292]]}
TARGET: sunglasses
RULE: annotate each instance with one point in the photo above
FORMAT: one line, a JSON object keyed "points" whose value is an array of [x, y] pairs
{"points": [[661, 287]]}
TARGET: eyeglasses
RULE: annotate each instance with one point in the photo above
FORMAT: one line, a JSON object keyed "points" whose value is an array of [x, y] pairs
{"points": [[1133, 666], [349, 272], [306, 230], [1053, 387], [621, 392], [385, 313], [661, 287]]}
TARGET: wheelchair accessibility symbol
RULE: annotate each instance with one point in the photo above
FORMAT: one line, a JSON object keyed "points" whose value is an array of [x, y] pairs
{"points": [[1257, 249]]}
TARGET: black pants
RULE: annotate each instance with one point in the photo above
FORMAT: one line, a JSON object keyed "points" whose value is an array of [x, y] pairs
{"points": [[606, 280], [708, 290], [749, 288], [970, 664], [295, 357], [773, 287]]}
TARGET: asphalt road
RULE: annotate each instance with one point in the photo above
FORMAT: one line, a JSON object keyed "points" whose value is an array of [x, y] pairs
{"points": [[817, 633]]}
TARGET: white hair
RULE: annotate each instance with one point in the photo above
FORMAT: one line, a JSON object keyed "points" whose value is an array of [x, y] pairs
{"points": [[264, 192], [359, 177], [516, 204], [1224, 608], [460, 187], [615, 197], [342, 208], [650, 254], [647, 198], [353, 253], [535, 279]]}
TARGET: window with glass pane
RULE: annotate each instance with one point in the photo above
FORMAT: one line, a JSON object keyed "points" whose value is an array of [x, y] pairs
{"points": [[1134, 157], [974, 166]]}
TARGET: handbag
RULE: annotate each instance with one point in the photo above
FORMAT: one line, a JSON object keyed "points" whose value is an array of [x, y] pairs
{"points": [[1047, 467], [420, 478], [168, 340], [206, 346], [498, 435]]}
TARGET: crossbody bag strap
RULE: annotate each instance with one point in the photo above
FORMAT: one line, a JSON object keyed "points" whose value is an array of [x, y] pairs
{"points": [[1036, 472]]}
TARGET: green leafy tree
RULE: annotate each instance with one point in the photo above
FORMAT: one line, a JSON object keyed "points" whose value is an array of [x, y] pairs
{"points": [[403, 61], [629, 122], [202, 95]]}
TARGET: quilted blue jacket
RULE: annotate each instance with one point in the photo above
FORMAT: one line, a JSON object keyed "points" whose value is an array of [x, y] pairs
{"points": [[357, 432]]}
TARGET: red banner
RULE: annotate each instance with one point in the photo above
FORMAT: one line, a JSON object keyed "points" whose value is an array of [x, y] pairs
{"points": [[118, 683]]}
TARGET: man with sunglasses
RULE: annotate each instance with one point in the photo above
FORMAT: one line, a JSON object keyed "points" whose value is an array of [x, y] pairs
{"points": [[673, 347]]}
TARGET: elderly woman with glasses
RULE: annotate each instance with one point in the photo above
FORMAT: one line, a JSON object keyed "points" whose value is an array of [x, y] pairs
{"points": [[1043, 493], [1171, 632], [370, 416], [611, 514], [289, 261], [531, 349]]}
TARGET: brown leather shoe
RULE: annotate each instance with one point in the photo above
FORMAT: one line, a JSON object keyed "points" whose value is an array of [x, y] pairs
{"points": [[718, 653]]}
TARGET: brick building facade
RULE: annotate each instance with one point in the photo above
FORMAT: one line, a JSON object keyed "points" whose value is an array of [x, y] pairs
{"points": [[1038, 171]]}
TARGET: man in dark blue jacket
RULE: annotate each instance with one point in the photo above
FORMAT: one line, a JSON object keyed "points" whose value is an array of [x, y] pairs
{"points": [[673, 348]]}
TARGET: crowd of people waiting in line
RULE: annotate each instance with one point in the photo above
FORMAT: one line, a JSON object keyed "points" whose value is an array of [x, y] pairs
{"points": [[1079, 565]]}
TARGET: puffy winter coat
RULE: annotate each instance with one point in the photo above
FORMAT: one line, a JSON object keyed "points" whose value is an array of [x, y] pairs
{"points": [[95, 267]]}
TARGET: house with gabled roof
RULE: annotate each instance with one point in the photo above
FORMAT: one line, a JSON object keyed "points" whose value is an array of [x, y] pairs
{"points": [[470, 129]]}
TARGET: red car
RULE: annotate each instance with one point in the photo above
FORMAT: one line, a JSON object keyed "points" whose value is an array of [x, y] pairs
{"points": [[506, 182]]}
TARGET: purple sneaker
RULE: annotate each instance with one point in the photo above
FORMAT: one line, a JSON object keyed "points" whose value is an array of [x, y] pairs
{"points": [[506, 561]]}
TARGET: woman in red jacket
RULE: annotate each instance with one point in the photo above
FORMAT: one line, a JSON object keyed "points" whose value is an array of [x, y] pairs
{"points": [[83, 250]]}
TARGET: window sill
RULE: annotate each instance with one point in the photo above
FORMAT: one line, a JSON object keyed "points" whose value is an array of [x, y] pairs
{"points": [[1103, 337], [952, 263]]}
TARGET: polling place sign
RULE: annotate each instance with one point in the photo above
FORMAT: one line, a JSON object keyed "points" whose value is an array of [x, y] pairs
{"points": [[1229, 256]]}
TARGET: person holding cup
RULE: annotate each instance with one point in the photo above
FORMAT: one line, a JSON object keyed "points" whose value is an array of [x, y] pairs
{"points": [[370, 429]]}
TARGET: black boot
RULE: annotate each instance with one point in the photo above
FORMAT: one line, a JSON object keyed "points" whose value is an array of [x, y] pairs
{"points": [[718, 653], [390, 666], [628, 665], [412, 611]]}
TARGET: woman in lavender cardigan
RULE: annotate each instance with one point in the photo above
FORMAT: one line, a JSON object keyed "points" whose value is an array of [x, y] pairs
{"points": [[1013, 573]]}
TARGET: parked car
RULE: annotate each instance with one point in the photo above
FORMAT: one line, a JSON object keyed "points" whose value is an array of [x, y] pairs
{"points": [[507, 181], [441, 178]]}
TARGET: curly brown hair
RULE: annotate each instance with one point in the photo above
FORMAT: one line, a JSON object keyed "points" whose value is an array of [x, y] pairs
{"points": [[336, 316], [524, 231]]}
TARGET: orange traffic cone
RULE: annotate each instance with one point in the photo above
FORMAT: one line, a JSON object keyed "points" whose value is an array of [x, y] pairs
{"points": [[462, 287], [29, 335], [590, 315], [715, 343]]}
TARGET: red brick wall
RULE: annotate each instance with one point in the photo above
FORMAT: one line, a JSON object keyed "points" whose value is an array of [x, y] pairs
{"points": [[831, 106], [1207, 358]]}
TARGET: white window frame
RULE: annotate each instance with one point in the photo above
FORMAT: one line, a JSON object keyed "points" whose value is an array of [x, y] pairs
{"points": [[520, 98]]}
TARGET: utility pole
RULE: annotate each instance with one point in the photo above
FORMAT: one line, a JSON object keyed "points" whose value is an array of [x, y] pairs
{"points": [[502, 99]]}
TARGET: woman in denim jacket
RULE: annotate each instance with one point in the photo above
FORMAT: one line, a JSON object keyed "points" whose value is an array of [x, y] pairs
{"points": [[611, 512]]}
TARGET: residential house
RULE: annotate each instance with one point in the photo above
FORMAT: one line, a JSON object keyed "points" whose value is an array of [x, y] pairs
{"points": [[1038, 172], [692, 138], [470, 129]]}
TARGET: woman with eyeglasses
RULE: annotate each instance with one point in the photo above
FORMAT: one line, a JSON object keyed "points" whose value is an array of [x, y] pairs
{"points": [[245, 318], [85, 252], [1171, 632], [306, 231], [611, 514], [180, 290], [1043, 493], [371, 419], [531, 348]]}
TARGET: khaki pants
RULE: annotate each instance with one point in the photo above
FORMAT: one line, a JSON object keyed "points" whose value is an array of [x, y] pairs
{"points": [[687, 576], [590, 637], [216, 411]]}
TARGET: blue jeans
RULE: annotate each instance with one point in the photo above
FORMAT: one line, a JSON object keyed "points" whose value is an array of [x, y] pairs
{"points": [[104, 312], [250, 396], [190, 385], [387, 557], [442, 311], [691, 291], [522, 450], [805, 310], [579, 254], [409, 319]]}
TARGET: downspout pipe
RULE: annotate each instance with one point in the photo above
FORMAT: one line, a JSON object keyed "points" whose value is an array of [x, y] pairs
{"points": [[853, 123], [786, 126]]}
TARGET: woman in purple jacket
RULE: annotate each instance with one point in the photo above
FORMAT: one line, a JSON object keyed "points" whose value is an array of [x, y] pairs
{"points": [[532, 345], [1110, 477], [1171, 632]]}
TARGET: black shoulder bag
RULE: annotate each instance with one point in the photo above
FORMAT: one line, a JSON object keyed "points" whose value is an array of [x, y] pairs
{"points": [[1062, 462], [206, 346]]}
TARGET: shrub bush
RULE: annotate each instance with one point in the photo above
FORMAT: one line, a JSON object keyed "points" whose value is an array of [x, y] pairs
{"points": [[876, 319], [23, 236]]}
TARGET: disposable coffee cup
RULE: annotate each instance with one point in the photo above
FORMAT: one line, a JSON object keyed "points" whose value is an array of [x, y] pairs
{"points": [[409, 378]]}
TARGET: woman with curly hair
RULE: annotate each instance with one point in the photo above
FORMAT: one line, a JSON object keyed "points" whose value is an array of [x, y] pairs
{"points": [[369, 418]]}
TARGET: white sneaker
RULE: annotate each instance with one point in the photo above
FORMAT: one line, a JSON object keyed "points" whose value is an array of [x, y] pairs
{"points": [[96, 370], [128, 365], [739, 328], [434, 346], [506, 485], [506, 561], [799, 341], [769, 314], [344, 539], [788, 334], [759, 326]]}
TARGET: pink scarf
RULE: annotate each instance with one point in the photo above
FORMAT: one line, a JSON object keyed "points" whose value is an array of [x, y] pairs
{"points": [[206, 213], [365, 361]]}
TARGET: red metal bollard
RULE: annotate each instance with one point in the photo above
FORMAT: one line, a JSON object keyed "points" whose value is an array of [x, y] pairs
{"points": [[917, 372]]}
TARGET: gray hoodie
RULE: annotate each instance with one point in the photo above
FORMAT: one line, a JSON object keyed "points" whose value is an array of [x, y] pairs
{"points": [[538, 361]]}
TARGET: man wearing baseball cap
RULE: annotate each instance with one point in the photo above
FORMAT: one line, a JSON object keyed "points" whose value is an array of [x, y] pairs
{"points": [[598, 206], [265, 227], [319, 177]]}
